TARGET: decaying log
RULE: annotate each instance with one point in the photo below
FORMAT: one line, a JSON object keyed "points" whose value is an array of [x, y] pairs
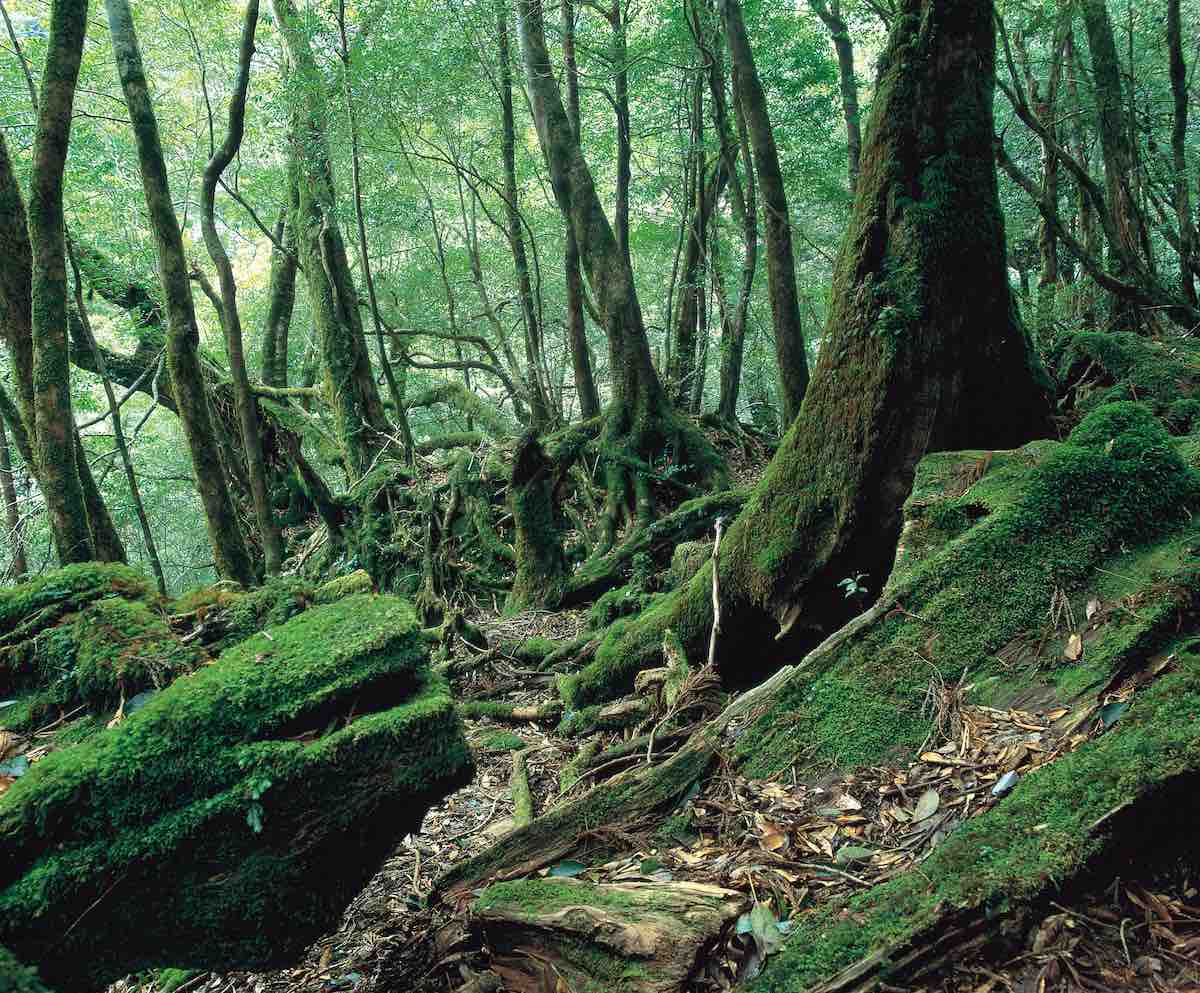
{"points": [[650, 935]]}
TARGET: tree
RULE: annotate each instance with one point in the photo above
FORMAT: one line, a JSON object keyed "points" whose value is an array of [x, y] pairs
{"points": [[839, 32], [54, 424], [183, 338], [781, 266], [918, 357]]}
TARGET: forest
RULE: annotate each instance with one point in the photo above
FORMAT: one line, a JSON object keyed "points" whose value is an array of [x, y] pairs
{"points": [[571, 496]]}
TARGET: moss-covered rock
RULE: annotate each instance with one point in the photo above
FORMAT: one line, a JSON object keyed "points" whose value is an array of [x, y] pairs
{"points": [[687, 560], [343, 586], [229, 821], [240, 613], [16, 978]]}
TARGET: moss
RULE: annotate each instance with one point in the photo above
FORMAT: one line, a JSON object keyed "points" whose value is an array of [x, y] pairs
{"points": [[248, 611], [28, 607], [336, 589], [1032, 841], [1050, 520], [500, 741], [621, 602], [239, 810], [169, 980], [16, 978]]}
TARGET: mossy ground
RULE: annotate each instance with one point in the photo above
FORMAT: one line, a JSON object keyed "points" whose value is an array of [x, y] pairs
{"points": [[239, 810]]}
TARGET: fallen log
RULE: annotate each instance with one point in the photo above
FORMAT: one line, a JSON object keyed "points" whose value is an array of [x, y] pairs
{"points": [[636, 937]]}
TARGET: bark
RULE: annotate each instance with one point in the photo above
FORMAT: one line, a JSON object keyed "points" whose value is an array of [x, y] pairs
{"points": [[282, 298], [18, 565], [54, 435], [1120, 164], [243, 399], [620, 63], [918, 357], [640, 419], [839, 32], [357, 408], [1179, 124], [581, 354], [539, 400], [183, 337], [541, 567], [781, 271]]}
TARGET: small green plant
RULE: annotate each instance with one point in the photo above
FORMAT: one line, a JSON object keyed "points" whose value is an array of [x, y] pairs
{"points": [[852, 586], [255, 788]]}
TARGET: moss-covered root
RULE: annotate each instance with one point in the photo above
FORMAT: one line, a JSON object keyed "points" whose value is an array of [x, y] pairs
{"points": [[623, 938], [1128, 795], [229, 821], [17, 978], [521, 794], [623, 801]]}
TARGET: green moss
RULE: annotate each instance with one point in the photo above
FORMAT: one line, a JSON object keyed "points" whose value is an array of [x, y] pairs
{"points": [[336, 589], [31, 606], [686, 561], [169, 980], [621, 602], [249, 611], [1051, 520], [1030, 842], [16, 978], [500, 741], [239, 810]]}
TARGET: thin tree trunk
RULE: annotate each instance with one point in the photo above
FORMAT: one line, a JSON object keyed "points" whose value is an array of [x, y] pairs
{"points": [[135, 492], [54, 425], [781, 270], [358, 411], [539, 401], [581, 354], [620, 57], [183, 337], [1179, 123], [282, 298], [244, 402], [844, 47], [389, 374], [19, 565]]}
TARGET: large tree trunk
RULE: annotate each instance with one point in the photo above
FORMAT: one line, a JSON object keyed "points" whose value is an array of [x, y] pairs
{"points": [[54, 424], [581, 355], [358, 411], [231, 321], [183, 337], [18, 565], [781, 267], [640, 421], [282, 298], [919, 356]]}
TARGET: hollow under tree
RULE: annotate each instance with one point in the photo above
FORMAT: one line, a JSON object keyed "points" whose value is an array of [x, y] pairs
{"points": [[918, 357], [640, 422]]}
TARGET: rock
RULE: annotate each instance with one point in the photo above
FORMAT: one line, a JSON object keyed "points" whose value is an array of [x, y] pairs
{"points": [[229, 821]]}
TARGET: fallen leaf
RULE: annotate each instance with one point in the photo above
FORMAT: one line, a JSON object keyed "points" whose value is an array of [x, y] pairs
{"points": [[926, 806], [772, 841]]}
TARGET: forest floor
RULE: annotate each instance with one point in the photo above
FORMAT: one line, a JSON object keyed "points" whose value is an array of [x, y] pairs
{"points": [[779, 843]]}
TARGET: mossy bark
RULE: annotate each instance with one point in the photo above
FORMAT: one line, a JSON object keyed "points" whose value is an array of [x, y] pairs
{"points": [[183, 336], [54, 425], [358, 410], [18, 565], [541, 567], [282, 298], [919, 357], [640, 419]]}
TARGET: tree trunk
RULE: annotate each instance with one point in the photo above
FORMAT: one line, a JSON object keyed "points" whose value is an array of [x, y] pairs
{"points": [[282, 297], [183, 337], [539, 399], [640, 422], [541, 568], [620, 63], [54, 425], [1179, 123], [844, 47], [581, 354], [18, 565], [781, 270], [1119, 162], [358, 411], [231, 322], [918, 357]]}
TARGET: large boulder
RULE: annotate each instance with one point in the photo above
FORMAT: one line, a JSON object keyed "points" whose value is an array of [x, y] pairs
{"points": [[229, 821]]}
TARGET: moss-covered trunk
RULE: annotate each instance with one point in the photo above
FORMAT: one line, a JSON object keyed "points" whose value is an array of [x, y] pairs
{"points": [[640, 421], [357, 408], [183, 336], [54, 424], [282, 298], [541, 568], [18, 565], [919, 356]]}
